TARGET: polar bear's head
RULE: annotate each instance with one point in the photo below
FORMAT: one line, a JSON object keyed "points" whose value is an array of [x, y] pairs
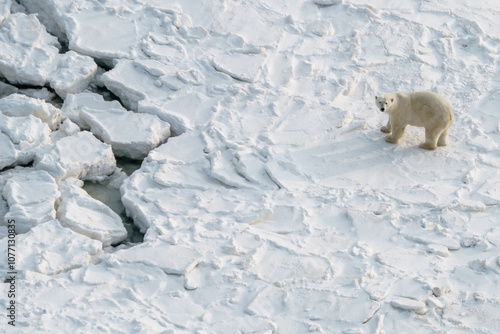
{"points": [[384, 103]]}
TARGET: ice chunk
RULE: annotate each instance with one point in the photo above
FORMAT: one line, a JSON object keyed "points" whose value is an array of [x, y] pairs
{"points": [[240, 66], [27, 134], [131, 135], [29, 55], [74, 103], [327, 2], [182, 111], [21, 105], [175, 260], [31, 197], [321, 28], [86, 37], [88, 216], [133, 81], [409, 305], [27, 52], [81, 156], [8, 154], [439, 250], [73, 75], [50, 249]]}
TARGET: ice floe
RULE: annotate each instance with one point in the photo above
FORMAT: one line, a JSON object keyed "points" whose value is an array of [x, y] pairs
{"points": [[22, 137], [131, 135], [31, 197], [73, 74], [81, 156], [17, 105], [28, 52], [52, 249], [87, 216]]}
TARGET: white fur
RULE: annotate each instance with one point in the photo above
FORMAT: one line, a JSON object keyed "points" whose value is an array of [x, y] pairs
{"points": [[424, 109]]}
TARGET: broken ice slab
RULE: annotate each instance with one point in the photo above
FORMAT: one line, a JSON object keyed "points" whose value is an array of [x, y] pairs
{"points": [[8, 154], [81, 156], [30, 197], [75, 103], [50, 249], [132, 135], [408, 304], [327, 2], [184, 110], [17, 105], [240, 66], [21, 137], [86, 37], [27, 52], [133, 81], [85, 215], [73, 74], [175, 260], [30, 56]]}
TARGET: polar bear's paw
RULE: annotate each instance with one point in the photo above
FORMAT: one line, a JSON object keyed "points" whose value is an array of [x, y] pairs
{"points": [[385, 129], [427, 146], [391, 139]]}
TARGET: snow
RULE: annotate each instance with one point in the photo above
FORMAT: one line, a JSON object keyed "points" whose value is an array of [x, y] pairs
{"points": [[269, 200]]}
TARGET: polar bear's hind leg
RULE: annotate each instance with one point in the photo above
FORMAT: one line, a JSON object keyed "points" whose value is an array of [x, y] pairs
{"points": [[431, 139], [443, 139]]}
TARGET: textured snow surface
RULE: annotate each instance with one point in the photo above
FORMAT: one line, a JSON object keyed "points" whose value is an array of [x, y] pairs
{"points": [[276, 206]]}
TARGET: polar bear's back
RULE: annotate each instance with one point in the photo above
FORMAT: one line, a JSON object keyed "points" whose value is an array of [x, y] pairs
{"points": [[431, 103], [432, 99]]}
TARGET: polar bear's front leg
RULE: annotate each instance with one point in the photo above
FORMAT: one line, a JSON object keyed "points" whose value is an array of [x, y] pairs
{"points": [[397, 133], [387, 128]]}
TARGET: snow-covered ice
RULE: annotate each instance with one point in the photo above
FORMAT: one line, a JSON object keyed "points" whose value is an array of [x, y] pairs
{"points": [[21, 138], [132, 135], [81, 156], [267, 195], [31, 197], [74, 73], [28, 53], [17, 105], [51, 249], [88, 216]]}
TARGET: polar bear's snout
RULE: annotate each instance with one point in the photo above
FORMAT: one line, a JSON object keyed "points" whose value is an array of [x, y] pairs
{"points": [[381, 103], [381, 106]]}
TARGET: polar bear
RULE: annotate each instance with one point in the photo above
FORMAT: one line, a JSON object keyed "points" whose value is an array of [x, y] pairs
{"points": [[425, 109]]}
